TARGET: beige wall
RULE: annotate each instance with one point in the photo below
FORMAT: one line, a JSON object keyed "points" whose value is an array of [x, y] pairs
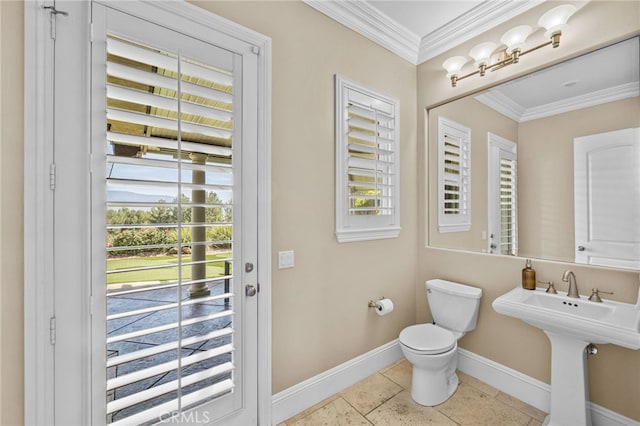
{"points": [[320, 313], [480, 119], [11, 247], [546, 214], [613, 373]]}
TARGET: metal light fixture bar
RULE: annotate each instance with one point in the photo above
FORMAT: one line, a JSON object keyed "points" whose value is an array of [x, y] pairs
{"points": [[554, 21]]}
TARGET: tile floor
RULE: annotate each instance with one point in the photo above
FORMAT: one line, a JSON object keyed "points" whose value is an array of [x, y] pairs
{"points": [[385, 399]]}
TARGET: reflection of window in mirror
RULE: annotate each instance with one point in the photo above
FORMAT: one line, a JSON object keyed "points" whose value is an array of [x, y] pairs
{"points": [[454, 176], [503, 196]]}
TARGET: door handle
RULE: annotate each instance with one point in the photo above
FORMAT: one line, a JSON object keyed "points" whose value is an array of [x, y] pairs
{"points": [[250, 290], [580, 248]]}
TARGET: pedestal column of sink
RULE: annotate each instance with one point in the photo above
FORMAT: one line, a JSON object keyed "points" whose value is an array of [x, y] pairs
{"points": [[569, 381]]}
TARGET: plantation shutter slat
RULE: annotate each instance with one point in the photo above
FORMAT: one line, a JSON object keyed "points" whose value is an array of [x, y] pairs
{"points": [[169, 163], [168, 366], [117, 360], [162, 60], [167, 387], [166, 123], [168, 407], [154, 142], [168, 83], [149, 162]]}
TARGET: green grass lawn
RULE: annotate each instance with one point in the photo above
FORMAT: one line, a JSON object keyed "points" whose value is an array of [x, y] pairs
{"points": [[167, 268]]}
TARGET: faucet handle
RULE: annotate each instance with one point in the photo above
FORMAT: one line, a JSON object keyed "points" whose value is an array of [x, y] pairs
{"points": [[595, 297], [550, 288]]}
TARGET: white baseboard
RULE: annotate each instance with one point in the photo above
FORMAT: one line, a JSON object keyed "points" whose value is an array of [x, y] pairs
{"points": [[527, 389], [299, 397]]}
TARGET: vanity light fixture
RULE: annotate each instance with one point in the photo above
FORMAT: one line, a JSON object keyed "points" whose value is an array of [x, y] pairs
{"points": [[553, 21]]}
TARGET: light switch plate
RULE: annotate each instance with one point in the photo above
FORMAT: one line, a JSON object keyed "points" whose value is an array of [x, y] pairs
{"points": [[285, 259]]}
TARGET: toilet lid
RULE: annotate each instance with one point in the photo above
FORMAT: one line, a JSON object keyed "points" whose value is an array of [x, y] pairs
{"points": [[427, 338]]}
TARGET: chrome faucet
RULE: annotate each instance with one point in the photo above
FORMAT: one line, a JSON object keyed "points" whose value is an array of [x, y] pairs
{"points": [[569, 277]]}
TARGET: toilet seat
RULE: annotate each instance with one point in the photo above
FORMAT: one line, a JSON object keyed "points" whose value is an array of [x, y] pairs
{"points": [[427, 339]]}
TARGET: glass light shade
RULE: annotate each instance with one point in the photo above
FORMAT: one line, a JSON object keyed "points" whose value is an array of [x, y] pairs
{"points": [[482, 52], [454, 65], [515, 37], [556, 19]]}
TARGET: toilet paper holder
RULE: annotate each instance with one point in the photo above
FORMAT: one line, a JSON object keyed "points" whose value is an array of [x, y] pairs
{"points": [[372, 304]]}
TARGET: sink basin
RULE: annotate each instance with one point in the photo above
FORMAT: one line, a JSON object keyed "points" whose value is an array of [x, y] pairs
{"points": [[607, 322], [572, 324]]}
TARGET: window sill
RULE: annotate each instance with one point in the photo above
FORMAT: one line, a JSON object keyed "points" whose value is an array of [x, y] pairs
{"points": [[347, 236]]}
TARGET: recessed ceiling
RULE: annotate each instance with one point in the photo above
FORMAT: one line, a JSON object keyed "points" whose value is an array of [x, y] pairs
{"points": [[419, 30], [423, 17]]}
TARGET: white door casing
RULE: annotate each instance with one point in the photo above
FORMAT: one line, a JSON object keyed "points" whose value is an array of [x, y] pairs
{"points": [[607, 198], [58, 206]]}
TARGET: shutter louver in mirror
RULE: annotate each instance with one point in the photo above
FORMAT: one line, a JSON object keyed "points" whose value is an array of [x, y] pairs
{"points": [[367, 159], [508, 241], [502, 189], [170, 201], [454, 177]]}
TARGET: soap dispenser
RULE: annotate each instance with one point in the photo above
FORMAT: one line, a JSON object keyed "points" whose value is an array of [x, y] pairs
{"points": [[528, 277]]}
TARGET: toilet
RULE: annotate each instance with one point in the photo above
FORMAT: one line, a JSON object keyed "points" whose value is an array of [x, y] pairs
{"points": [[432, 349]]}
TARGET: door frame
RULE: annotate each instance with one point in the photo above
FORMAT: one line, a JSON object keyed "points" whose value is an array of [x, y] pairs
{"points": [[38, 195]]}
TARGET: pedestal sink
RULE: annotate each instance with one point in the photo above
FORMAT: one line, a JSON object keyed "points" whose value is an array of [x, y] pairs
{"points": [[572, 324]]}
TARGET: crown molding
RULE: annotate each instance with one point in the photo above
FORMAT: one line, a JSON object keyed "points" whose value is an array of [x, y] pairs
{"points": [[471, 24], [504, 105], [369, 22]]}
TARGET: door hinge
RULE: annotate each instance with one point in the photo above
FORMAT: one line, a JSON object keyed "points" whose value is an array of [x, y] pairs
{"points": [[52, 176], [52, 330]]}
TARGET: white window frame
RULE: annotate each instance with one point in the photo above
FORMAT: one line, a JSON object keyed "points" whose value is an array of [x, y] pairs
{"points": [[460, 221], [361, 227], [499, 148], [38, 201]]}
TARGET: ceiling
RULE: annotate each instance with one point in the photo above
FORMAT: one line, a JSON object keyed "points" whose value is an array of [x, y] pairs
{"points": [[418, 30], [424, 17]]}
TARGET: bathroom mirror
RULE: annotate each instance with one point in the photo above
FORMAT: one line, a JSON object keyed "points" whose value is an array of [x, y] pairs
{"points": [[542, 114]]}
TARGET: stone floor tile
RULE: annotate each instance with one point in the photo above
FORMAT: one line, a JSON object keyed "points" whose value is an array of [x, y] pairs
{"points": [[481, 386], [336, 413], [527, 409], [369, 393], [311, 409], [400, 373], [470, 406], [402, 410]]}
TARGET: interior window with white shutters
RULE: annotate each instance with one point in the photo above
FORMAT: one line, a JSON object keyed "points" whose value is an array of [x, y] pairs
{"points": [[454, 176], [170, 206], [367, 163]]}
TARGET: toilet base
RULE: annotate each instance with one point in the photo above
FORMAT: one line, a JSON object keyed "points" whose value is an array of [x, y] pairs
{"points": [[430, 389]]}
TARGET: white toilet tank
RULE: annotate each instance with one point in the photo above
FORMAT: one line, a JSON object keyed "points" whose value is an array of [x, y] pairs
{"points": [[454, 306]]}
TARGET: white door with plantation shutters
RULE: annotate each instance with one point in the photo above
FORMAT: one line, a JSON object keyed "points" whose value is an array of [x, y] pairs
{"points": [[175, 227], [502, 189], [157, 188]]}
